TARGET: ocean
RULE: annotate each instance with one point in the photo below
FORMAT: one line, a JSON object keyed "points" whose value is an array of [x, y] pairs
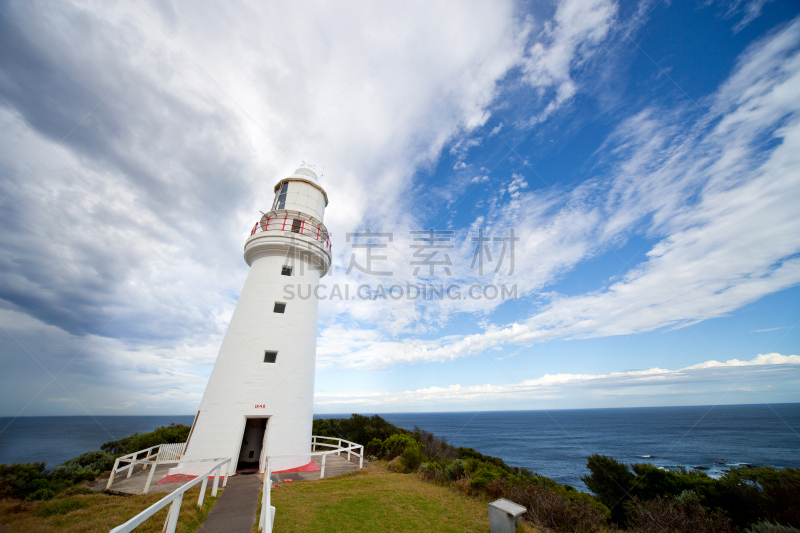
{"points": [[552, 443]]}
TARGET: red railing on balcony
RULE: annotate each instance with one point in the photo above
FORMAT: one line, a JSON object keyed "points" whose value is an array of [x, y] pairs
{"points": [[293, 225]]}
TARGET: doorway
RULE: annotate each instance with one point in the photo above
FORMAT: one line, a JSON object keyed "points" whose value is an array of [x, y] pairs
{"points": [[253, 438]]}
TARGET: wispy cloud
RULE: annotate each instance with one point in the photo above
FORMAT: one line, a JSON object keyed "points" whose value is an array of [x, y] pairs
{"points": [[632, 383]]}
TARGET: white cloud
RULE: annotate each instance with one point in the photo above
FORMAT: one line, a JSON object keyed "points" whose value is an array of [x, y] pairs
{"points": [[573, 36], [528, 392], [720, 201]]}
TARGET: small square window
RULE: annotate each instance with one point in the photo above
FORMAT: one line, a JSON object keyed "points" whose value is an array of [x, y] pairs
{"points": [[251, 454], [286, 271], [270, 357], [279, 308]]}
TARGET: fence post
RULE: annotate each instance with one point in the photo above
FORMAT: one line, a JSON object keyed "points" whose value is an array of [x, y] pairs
{"points": [[113, 471], [132, 465], [150, 475], [322, 471], [361, 459], [216, 483], [147, 458], [172, 516], [266, 500], [202, 491]]}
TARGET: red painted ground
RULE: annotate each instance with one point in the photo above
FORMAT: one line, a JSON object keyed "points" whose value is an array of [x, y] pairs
{"points": [[310, 467]]}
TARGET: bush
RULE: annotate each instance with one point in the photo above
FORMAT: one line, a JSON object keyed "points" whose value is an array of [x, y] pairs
{"points": [[412, 457], [769, 527], [374, 446], [611, 481], [133, 443], [553, 509], [745, 495], [663, 515], [26, 481], [394, 446], [359, 429], [84, 467]]}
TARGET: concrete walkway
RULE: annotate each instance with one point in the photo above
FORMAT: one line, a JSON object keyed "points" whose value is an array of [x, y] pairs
{"points": [[235, 508], [135, 484]]}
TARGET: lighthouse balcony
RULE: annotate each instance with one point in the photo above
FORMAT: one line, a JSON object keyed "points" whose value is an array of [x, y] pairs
{"points": [[294, 222]]}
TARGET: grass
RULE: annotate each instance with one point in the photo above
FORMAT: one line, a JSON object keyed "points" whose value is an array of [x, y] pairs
{"points": [[80, 510], [375, 500]]}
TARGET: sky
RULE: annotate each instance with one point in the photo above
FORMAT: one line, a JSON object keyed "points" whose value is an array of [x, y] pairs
{"points": [[613, 186]]}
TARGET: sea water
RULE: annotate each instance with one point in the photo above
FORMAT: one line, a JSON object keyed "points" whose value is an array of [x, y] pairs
{"points": [[552, 443], [556, 443]]}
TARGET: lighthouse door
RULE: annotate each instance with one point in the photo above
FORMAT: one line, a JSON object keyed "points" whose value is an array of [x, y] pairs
{"points": [[252, 443]]}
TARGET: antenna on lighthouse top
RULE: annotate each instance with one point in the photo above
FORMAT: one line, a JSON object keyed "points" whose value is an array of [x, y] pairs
{"points": [[308, 165]]}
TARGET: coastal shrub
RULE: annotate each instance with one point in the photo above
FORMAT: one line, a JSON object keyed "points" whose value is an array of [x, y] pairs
{"points": [[358, 428], [374, 446], [133, 443], [412, 457], [745, 495], [611, 481], [665, 515], [435, 448], [455, 470], [26, 481], [768, 527], [770, 493], [552, 509], [395, 444], [86, 466]]}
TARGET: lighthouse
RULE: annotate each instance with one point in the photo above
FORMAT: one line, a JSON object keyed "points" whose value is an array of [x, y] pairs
{"points": [[260, 396]]}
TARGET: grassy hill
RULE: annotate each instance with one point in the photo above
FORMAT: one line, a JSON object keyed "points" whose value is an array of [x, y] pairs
{"points": [[376, 500]]}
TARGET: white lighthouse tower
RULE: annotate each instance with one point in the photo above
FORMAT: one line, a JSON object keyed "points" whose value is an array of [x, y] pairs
{"points": [[260, 396]]}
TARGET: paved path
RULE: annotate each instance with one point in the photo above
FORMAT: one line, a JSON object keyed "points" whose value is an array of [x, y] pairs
{"points": [[235, 508]]}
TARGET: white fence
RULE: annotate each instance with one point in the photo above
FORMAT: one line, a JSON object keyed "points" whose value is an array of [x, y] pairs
{"points": [[153, 455], [341, 446], [176, 498]]}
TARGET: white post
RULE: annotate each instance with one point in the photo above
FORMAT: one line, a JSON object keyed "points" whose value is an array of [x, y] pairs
{"points": [[111, 477], [144, 466], [216, 483], [202, 491], [225, 478], [349, 447], [322, 471], [150, 476], [314, 444], [172, 517], [266, 499], [132, 465], [361, 459]]}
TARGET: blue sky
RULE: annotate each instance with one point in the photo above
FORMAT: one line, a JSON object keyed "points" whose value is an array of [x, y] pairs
{"points": [[642, 152]]}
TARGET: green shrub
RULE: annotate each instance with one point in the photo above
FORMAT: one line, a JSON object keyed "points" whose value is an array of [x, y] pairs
{"points": [[84, 467], [26, 481], [611, 481], [374, 446], [133, 443], [664, 515], [412, 457], [359, 429], [394, 445], [769, 527]]}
